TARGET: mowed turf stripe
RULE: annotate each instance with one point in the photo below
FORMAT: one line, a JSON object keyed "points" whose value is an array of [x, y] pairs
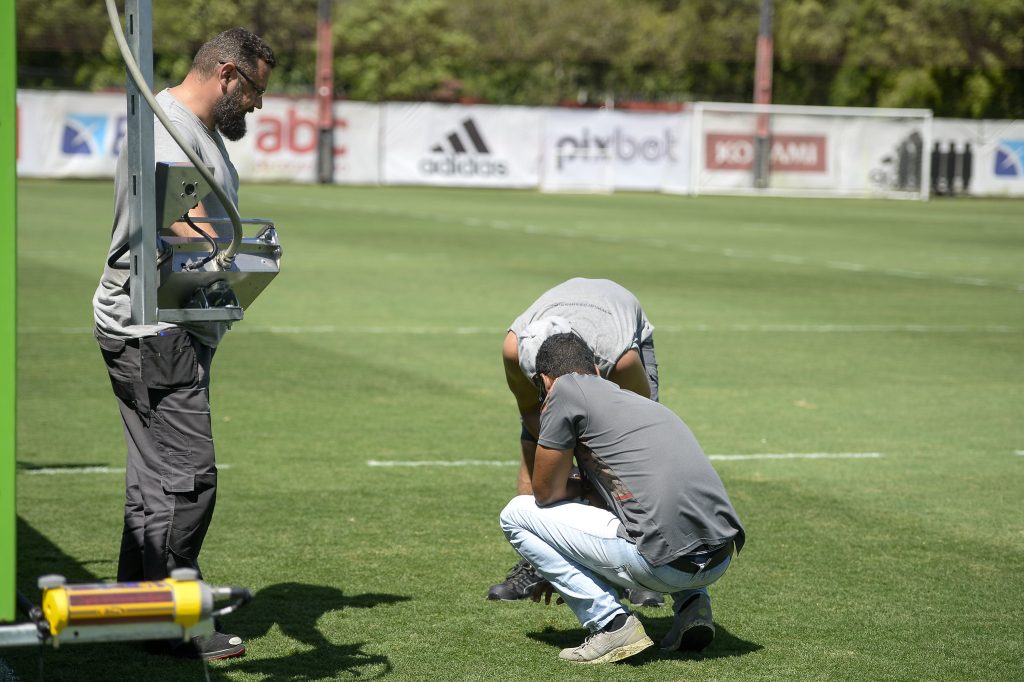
{"points": [[511, 462], [57, 471], [539, 230], [663, 329]]}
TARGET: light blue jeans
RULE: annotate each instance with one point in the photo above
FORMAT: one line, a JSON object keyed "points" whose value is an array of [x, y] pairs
{"points": [[577, 549]]}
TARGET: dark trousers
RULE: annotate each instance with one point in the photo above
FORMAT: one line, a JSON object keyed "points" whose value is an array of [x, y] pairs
{"points": [[162, 388]]}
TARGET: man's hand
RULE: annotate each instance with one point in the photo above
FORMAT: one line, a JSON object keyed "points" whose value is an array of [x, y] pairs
{"points": [[544, 590]]}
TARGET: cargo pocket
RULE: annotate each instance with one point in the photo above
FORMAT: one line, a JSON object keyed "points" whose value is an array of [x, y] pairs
{"points": [[118, 369], [168, 361], [191, 518], [179, 474]]}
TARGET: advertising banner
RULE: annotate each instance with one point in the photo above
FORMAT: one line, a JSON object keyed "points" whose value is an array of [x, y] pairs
{"points": [[281, 144], [812, 153], [463, 146], [69, 134], [984, 158], [588, 150], [64, 134]]}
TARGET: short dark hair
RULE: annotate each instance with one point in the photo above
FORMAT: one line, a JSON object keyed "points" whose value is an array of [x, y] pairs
{"points": [[565, 354], [236, 45]]}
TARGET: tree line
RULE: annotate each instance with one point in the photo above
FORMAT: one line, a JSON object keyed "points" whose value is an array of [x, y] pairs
{"points": [[960, 58]]}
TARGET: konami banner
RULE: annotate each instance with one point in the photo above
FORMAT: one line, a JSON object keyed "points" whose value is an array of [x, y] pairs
{"points": [[984, 158], [464, 146], [812, 150], [603, 150]]}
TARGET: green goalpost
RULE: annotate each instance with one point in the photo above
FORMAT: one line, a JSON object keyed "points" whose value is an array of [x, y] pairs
{"points": [[8, 195]]}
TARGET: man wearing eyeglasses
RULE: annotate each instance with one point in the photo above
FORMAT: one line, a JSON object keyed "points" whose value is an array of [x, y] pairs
{"points": [[609, 319], [161, 373]]}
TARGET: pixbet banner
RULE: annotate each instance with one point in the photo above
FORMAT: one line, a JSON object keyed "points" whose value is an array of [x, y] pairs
{"points": [[589, 150], [464, 146]]}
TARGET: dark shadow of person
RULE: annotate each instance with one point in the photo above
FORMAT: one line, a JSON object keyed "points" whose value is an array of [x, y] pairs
{"points": [[295, 609], [725, 644]]}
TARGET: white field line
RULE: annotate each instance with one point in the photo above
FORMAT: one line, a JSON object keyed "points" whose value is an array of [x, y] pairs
{"points": [[58, 471], [509, 462], [533, 229], [1019, 453], [662, 329]]}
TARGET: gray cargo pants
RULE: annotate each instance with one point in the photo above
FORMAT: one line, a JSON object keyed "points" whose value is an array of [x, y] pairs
{"points": [[162, 388]]}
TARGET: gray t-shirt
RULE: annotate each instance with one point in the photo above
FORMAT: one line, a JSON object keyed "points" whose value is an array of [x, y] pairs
{"points": [[645, 463], [111, 302], [605, 314]]}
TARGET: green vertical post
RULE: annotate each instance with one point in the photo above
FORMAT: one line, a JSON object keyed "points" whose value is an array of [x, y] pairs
{"points": [[8, 222]]}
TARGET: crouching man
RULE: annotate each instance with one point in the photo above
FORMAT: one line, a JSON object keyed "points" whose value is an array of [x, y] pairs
{"points": [[647, 512]]}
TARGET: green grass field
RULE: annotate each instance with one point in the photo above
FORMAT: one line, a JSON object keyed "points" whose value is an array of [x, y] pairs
{"points": [[783, 327]]}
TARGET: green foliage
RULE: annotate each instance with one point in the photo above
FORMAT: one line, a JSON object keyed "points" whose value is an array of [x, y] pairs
{"points": [[958, 57], [398, 49]]}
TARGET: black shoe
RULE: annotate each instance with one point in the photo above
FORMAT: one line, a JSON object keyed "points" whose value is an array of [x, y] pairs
{"points": [[518, 584], [219, 645], [692, 626], [216, 646], [645, 597]]}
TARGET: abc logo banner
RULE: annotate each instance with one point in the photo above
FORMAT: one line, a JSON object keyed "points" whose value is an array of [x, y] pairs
{"points": [[283, 138], [469, 146]]}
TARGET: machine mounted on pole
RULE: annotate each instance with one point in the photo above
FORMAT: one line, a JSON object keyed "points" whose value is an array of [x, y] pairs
{"points": [[171, 279]]}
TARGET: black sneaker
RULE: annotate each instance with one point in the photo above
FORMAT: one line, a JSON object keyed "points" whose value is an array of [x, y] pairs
{"points": [[216, 646], [645, 597], [219, 645], [518, 584], [692, 626]]}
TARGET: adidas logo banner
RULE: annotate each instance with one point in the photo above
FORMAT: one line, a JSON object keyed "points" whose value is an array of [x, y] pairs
{"points": [[468, 146]]}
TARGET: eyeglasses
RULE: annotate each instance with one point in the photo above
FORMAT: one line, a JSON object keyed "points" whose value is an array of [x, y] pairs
{"points": [[257, 89], [538, 383]]}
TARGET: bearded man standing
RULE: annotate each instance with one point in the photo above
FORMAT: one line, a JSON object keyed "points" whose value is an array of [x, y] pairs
{"points": [[161, 373]]}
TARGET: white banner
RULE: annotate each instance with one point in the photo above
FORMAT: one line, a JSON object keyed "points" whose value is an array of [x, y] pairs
{"points": [[69, 134], [464, 146], [64, 134], [281, 143], [984, 158], [828, 153], [588, 150], [814, 149]]}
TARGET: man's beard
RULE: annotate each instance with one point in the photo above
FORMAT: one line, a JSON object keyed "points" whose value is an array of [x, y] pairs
{"points": [[229, 115]]}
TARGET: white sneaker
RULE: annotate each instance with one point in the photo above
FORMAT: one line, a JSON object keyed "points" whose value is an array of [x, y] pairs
{"points": [[606, 647]]}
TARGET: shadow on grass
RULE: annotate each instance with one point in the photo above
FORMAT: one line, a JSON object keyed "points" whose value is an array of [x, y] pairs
{"points": [[295, 609], [26, 466], [725, 645], [38, 555]]}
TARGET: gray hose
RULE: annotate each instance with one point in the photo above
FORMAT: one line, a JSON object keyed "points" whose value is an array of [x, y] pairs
{"points": [[227, 256]]}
